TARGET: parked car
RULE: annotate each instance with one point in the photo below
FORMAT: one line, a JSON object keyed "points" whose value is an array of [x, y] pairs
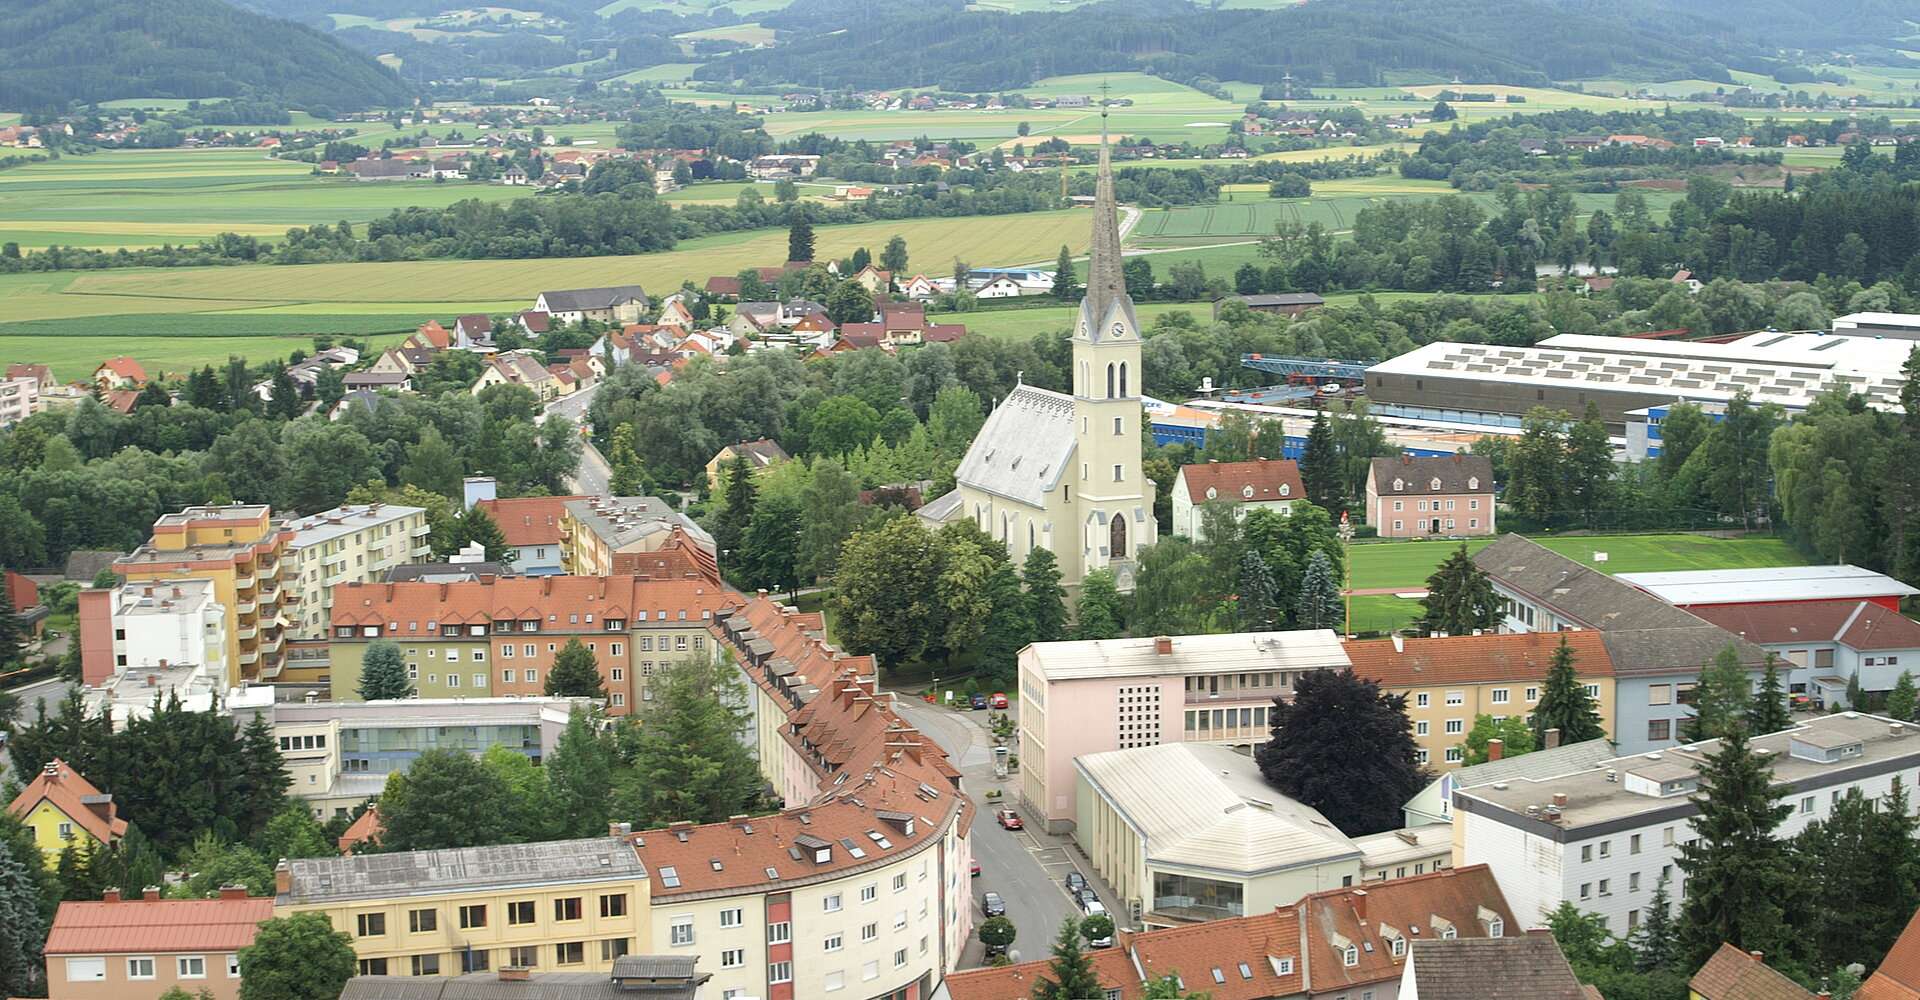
{"points": [[1086, 899], [974, 868], [977, 702], [993, 905], [1009, 819], [1094, 909], [999, 699], [1075, 882]]}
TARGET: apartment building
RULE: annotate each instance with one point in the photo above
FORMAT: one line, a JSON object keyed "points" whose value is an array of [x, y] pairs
{"points": [[239, 549], [1091, 696], [1433, 805], [566, 905], [116, 948], [531, 527], [19, 399], [1271, 484], [339, 753], [1657, 649], [1602, 837], [498, 636], [1408, 497], [157, 627], [354, 543], [603, 535], [1448, 681]]}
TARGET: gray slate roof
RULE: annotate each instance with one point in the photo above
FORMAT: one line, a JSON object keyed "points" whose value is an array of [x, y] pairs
{"points": [[581, 299], [1453, 471], [1023, 448], [371, 876], [539, 986], [1538, 764], [1282, 299], [1644, 635], [1528, 967]]}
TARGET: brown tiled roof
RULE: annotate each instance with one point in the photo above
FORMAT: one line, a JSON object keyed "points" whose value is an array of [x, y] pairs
{"points": [[529, 520], [1271, 479], [75, 797], [1732, 974], [39, 373], [1474, 659], [1457, 896], [535, 321], [1898, 977], [522, 597], [1528, 967], [759, 454], [366, 827], [1016, 982], [1453, 471], [1859, 624], [943, 333], [721, 284], [163, 926], [121, 400], [125, 367]]}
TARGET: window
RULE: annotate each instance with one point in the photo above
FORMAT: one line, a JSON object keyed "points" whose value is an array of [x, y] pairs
{"points": [[525, 956], [473, 916], [835, 980], [831, 903], [900, 920], [869, 931], [1455, 727], [733, 958], [1604, 890], [1350, 956], [1500, 696], [1666, 837], [370, 924], [86, 970], [832, 943], [1806, 805], [613, 948], [614, 905], [233, 967], [1496, 927], [1455, 755], [1593, 690], [520, 912], [1586, 890], [1117, 475], [422, 921], [426, 965], [899, 957], [191, 966], [780, 972], [869, 891], [1399, 947], [1659, 694], [1422, 755], [1422, 700], [1606, 848], [1658, 729], [570, 952], [1586, 854], [1420, 728], [730, 917], [1118, 428], [475, 960], [373, 966], [871, 970], [1456, 698], [1633, 881], [140, 968], [567, 909], [681, 932], [779, 933], [900, 882], [1533, 694], [1633, 844]]}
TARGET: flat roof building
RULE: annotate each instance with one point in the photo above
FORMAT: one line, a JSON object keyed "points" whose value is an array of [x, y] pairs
{"points": [[1890, 325], [353, 543], [1694, 589]]}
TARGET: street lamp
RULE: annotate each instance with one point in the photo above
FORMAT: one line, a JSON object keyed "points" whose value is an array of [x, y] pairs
{"points": [[1346, 565]]}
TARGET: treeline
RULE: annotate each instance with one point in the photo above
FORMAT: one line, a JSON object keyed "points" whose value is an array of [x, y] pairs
{"points": [[1863, 233], [1478, 157]]}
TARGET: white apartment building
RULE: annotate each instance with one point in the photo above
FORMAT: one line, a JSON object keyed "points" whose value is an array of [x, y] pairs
{"points": [[350, 544], [160, 625], [19, 399], [1602, 836]]}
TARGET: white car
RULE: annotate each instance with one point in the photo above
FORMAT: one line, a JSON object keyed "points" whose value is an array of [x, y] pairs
{"points": [[1097, 909]]}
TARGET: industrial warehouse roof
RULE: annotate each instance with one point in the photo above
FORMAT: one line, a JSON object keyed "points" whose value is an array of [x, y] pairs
{"points": [[1203, 806], [1768, 585], [1234, 652], [1784, 368]]}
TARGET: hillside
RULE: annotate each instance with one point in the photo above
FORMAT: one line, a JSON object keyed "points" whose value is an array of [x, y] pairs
{"points": [[58, 51]]}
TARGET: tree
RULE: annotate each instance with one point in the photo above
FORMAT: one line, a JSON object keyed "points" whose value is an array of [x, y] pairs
{"points": [[432, 464], [885, 600], [770, 549], [1515, 736], [1681, 431], [1098, 927], [997, 933], [1656, 942], [894, 257], [1589, 461], [383, 673], [1319, 605], [1344, 747], [1901, 701], [1257, 607], [1070, 975], [629, 476], [1065, 287], [962, 600], [689, 763], [580, 775], [1320, 466], [850, 302], [285, 403], [736, 513], [12, 636], [1460, 598], [832, 503], [260, 780], [23, 929], [575, 674], [329, 388], [1735, 455], [1741, 880], [1102, 612], [211, 863], [800, 237], [300, 957], [1721, 697], [444, 799], [1564, 703], [1860, 863], [476, 525], [293, 833], [1536, 464], [1046, 599], [1008, 626], [1768, 714]]}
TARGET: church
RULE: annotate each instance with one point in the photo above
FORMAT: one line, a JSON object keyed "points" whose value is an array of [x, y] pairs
{"points": [[1063, 472]]}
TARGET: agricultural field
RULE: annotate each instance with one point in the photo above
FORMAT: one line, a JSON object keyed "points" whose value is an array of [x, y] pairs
{"points": [[1021, 324], [745, 34]]}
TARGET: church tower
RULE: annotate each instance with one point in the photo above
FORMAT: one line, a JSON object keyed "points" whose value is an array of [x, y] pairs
{"points": [[1113, 498]]}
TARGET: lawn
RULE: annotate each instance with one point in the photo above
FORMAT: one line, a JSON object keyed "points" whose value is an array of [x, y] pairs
{"points": [[75, 357], [1408, 564]]}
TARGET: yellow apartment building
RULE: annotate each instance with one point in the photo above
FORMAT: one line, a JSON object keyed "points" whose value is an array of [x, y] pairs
{"points": [[239, 549], [355, 543], [597, 532]]}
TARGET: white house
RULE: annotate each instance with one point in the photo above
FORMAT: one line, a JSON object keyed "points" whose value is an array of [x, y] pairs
{"points": [[1271, 483]]}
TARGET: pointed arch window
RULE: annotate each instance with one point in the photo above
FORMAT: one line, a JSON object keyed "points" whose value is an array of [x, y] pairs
{"points": [[1123, 380], [1110, 374]]}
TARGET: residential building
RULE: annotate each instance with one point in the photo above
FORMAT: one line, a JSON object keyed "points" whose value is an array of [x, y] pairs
{"points": [[472, 330], [1823, 646], [1410, 497], [532, 528], [1414, 850], [130, 693], [1280, 304], [431, 337], [634, 535], [154, 625], [1702, 589], [499, 637], [118, 948], [1898, 977], [874, 280], [1434, 803], [1604, 836], [120, 373], [65, 810], [760, 455], [655, 977], [40, 375], [567, 905], [1657, 649], [617, 304], [356, 543], [1256, 957], [239, 549], [1530, 965], [1449, 681], [1063, 471], [519, 368], [1189, 832], [339, 753], [1733, 974], [19, 399], [1090, 696], [1269, 484]]}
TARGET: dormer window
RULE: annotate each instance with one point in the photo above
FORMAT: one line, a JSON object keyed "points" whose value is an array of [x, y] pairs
{"points": [[1212, 494], [1436, 483], [1399, 484], [1496, 928], [1247, 491], [1399, 946], [1285, 489], [1473, 482], [1350, 956], [1447, 933]]}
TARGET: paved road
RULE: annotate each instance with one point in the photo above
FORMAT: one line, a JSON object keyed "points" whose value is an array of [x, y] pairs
{"points": [[49, 692], [573, 407], [1025, 868], [590, 478]]}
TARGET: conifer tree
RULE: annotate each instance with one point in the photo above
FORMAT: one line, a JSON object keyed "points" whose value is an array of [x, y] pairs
{"points": [[12, 639], [383, 673], [1901, 701], [1721, 698], [1046, 599], [476, 525], [1564, 703], [1064, 286], [800, 236], [1742, 881], [1459, 599], [1656, 941], [22, 928], [1070, 975], [1768, 713], [1860, 863], [580, 774], [1320, 466], [1256, 609], [1101, 613], [1319, 605], [575, 673], [730, 526]]}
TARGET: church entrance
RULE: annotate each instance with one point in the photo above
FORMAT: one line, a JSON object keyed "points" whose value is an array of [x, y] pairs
{"points": [[1117, 540]]}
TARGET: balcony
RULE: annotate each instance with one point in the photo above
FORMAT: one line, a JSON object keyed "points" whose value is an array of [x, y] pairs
{"points": [[420, 551], [272, 643], [243, 606], [249, 657], [246, 632], [243, 580], [423, 530]]}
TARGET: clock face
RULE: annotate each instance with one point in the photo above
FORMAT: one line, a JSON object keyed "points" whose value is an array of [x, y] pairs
{"points": [[1119, 330]]}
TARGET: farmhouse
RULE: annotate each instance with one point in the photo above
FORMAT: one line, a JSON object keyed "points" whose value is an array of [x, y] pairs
{"points": [[617, 304]]}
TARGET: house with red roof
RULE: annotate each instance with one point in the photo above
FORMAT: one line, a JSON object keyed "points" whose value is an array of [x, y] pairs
{"points": [[432, 336], [120, 373], [1898, 977], [65, 810], [142, 947], [532, 529], [1273, 484]]}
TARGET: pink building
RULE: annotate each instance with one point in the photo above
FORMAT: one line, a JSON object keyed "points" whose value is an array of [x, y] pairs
{"points": [[1410, 497], [142, 947], [1091, 696]]}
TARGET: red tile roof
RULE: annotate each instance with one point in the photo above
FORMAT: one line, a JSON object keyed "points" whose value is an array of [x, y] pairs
{"points": [[1474, 659], [535, 321], [1016, 982], [529, 520], [435, 335], [121, 400], [74, 796], [162, 926], [943, 333], [39, 373], [1861, 624], [365, 828], [1898, 977], [1732, 974], [1462, 897], [721, 284], [125, 367], [523, 597], [1269, 479]]}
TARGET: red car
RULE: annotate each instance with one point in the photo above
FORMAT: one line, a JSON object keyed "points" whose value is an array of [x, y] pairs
{"points": [[975, 868], [999, 699], [1008, 819]]}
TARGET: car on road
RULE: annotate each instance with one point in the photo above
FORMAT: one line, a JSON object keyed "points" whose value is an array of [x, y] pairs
{"points": [[993, 905], [974, 868], [999, 699], [977, 702], [1009, 820], [1074, 883]]}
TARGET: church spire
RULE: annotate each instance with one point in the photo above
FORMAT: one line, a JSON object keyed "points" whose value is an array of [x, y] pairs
{"points": [[1105, 284]]}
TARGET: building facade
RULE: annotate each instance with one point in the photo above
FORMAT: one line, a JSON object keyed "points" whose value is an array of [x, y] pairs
{"points": [[19, 399], [65, 810], [532, 529], [605, 535], [1272, 484], [1410, 497], [240, 550], [164, 625], [351, 544], [1823, 648], [118, 948]]}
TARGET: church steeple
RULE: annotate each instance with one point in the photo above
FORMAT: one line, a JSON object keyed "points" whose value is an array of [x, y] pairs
{"points": [[1105, 283]]}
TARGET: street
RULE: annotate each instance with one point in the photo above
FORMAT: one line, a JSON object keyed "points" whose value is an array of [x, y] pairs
{"points": [[573, 407], [1026, 867], [590, 477]]}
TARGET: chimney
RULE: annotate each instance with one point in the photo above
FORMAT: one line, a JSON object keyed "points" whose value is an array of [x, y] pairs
{"points": [[51, 769], [1757, 956], [1560, 799], [110, 896], [1553, 738], [233, 892], [1495, 747], [1360, 903], [1163, 645], [153, 680], [515, 974], [150, 894], [283, 878]]}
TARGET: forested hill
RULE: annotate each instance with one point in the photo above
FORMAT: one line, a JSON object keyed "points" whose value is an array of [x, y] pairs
{"points": [[1354, 42], [53, 52]]}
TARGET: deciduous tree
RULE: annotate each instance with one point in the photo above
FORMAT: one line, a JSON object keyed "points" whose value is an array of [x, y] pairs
{"points": [[1344, 747], [1515, 736], [1046, 599], [1101, 613], [885, 598], [444, 799], [298, 957]]}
